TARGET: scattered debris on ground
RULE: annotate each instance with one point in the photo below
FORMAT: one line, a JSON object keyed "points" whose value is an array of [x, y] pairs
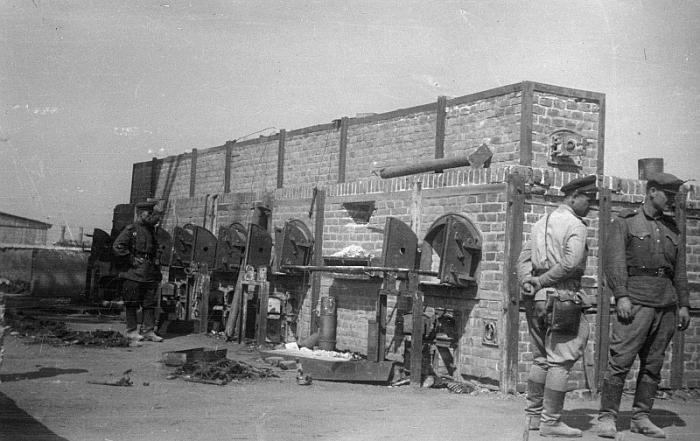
{"points": [[220, 372], [57, 333], [125, 380]]}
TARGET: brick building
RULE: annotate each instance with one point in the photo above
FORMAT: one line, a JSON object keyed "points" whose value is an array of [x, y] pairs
{"points": [[540, 137]]}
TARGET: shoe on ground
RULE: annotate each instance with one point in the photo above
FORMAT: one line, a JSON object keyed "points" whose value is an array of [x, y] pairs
{"points": [[152, 336], [647, 428], [606, 428], [559, 429], [134, 336]]}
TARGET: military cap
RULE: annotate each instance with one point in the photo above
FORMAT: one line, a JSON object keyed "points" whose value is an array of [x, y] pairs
{"points": [[150, 206], [585, 184], [664, 181]]}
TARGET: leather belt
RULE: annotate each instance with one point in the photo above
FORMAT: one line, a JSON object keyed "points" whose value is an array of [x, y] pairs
{"points": [[650, 272]]}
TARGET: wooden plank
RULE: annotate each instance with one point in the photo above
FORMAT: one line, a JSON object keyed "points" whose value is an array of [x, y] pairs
{"points": [[526, 123], [514, 236], [678, 354], [343, 149], [155, 166], [280, 158], [263, 296], [416, 331], [193, 172], [601, 136], [440, 127], [227, 168], [204, 284], [602, 345], [372, 340], [319, 209], [381, 326]]}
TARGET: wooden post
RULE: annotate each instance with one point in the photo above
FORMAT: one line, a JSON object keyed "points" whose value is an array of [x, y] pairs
{"points": [[440, 127], [280, 158], [528, 92], [203, 288], [320, 204], [343, 148], [227, 167], [193, 172], [154, 176], [678, 354], [263, 298], [417, 330], [603, 302], [381, 326], [514, 236]]}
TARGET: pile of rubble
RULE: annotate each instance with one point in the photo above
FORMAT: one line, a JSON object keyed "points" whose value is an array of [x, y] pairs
{"points": [[220, 372], [57, 333]]}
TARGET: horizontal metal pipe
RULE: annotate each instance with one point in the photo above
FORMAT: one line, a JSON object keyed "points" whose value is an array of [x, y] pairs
{"points": [[356, 269], [423, 166]]}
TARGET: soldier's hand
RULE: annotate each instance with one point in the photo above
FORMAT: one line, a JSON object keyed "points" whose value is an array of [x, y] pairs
{"points": [[683, 318], [528, 289], [624, 309], [534, 282]]}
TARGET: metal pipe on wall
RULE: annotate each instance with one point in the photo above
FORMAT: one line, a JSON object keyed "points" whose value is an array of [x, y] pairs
{"points": [[424, 166]]}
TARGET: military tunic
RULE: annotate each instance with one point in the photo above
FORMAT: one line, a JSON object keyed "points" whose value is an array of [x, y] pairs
{"points": [[642, 263], [557, 252]]}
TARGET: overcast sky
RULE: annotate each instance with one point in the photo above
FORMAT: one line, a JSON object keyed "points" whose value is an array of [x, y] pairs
{"points": [[88, 88]]}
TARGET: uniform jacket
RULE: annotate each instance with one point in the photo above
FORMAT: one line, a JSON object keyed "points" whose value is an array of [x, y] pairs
{"points": [[138, 243], [556, 251], [638, 240]]}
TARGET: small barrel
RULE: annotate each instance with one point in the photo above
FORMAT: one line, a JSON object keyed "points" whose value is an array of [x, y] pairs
{"points": [[328, 321], [648, 166]]}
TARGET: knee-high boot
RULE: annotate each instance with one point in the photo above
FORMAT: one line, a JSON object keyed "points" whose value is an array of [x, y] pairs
{"points": [[643, 402], [610, 396], [553, 404]]}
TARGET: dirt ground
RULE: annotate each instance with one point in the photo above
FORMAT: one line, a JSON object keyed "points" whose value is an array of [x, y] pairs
{"points": [[45, 395]]}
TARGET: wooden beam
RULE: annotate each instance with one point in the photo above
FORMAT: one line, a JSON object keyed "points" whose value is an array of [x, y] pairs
{"points": [[342, 152], [440, 127], [280, 158], [515, 217], [601, 136], [227, 168], [154, 176], [678, 354], [526, 123], [416, 330], [319, 207], [603, 301], [193, 172]]}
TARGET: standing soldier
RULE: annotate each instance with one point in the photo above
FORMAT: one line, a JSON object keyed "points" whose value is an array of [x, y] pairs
{"points": [[137, 243], [650, 284], [550, 268]]}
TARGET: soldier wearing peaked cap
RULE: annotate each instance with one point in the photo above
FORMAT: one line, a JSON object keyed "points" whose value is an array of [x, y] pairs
{"points": [[550, 268], [649, 281], [138, 243]]}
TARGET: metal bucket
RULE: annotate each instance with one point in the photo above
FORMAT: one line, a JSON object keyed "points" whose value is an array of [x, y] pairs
{"points": [[328, 321]]}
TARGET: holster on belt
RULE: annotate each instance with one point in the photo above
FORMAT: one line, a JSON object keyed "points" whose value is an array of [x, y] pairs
{"points": [[564, 312]]}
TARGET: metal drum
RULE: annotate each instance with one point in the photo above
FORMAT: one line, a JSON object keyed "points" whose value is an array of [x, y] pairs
{"points": [[328, 321]]}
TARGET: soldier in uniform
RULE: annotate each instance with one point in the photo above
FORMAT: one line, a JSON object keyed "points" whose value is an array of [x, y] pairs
{"points": [[550, 268], [137, 243], [649, 281]]}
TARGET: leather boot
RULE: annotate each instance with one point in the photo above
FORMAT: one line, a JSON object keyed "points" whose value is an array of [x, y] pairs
{"points": [[535, 394], [610, 396], [551, 424], [643, 402]]}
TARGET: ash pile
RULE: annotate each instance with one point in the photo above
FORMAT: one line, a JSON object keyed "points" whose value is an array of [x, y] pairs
{"points": [[56, 333], [221, 372]]}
